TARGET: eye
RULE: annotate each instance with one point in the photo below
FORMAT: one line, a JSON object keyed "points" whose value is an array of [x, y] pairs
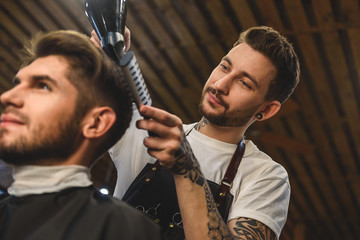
{"points": [[15, 82], [44, 86], [245, 84], [224, 67]]}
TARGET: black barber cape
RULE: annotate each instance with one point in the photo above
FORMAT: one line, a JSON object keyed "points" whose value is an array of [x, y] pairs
{"points": [[75, 213]]}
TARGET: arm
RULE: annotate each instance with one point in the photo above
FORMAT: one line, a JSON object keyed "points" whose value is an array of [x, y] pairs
{"points": [[201, 219]]}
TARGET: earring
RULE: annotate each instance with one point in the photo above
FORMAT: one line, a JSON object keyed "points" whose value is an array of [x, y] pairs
{"points": [[259, 116]]}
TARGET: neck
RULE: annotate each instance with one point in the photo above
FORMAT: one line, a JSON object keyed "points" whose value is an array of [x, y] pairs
{"points": [[224, 134]]}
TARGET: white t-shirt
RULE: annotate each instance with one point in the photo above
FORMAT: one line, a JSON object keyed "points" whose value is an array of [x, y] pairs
{"points": [[261, 187]]}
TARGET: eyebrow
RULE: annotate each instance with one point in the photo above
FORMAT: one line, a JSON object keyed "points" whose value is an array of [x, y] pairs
{"points": [[246, 74], [37, 78], [43, 77]]}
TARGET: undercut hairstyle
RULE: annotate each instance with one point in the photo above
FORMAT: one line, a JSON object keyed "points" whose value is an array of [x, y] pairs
{"points": [[96, 77], [281, 53]]}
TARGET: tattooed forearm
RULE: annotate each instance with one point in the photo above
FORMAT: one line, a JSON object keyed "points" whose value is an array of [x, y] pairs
{"points": [[186, 164], [251, 229], [217, 227]]}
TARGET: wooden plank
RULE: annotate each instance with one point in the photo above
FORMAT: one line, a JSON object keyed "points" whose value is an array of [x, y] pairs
{"points": [[9, 59], [223, 24], [200, 30], [321, 85], [243, 13], [152, 79], [37, 13], [204, 69], [182, 38], [156, 56], [287, 108], [138, 33], [17, 35], [145, 15], [300, 232], [298, 20], [200, 24], [287, 232], [316, 167], [173, 20], [5, 82], [8, 75], [346, 90], [354, 35], [354, 181], [277, 140], [77, 9], [350, 10], [270, 14], [324, 15], [21, 17], [216, 52], [182, 63], [338, 64], [351, 109], [193, 47], [62, 19]]}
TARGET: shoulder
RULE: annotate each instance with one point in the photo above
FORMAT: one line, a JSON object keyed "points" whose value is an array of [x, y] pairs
{"points": [[119, 217], [261, 164]]}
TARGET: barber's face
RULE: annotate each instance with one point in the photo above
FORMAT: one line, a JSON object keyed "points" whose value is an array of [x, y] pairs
{"points": [[236, 89], [37, 124]]}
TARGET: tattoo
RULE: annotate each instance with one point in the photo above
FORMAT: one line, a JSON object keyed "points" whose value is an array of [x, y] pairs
{"points": [[217, 227], [247, 228], [186, 163], [201, 124]]}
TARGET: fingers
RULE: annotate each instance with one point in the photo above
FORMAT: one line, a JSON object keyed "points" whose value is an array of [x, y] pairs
{"points": [[159, 129], [168, 130], [160, 116], [127, 39], [162, 149], [95, 39]]}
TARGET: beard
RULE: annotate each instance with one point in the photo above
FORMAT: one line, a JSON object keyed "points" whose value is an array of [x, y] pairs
{"points": [[46, 145], [226, 118]]}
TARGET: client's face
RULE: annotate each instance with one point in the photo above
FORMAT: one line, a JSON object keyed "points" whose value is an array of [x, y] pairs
{"points": [[38, 125]]}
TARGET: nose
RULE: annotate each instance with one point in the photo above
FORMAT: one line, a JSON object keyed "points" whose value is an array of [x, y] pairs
{"points": [[223, 85], [11, 97]]}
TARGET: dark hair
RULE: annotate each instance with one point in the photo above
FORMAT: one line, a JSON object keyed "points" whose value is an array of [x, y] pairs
{"points": [[96, 76], [270, 43]]}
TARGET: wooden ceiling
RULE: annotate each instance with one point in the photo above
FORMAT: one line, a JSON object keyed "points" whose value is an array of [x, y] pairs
{"points": [[316, 135]]}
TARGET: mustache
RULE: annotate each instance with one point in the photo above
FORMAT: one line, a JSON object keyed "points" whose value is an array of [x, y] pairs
{"points": [[218, 96], [22, 117]]}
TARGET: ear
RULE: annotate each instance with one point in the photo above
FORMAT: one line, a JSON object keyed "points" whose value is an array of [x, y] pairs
{"points": [[269, 110], [98, 122]]}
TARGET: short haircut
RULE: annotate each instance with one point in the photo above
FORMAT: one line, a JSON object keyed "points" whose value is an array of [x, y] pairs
{"points": [[271, 44], [96, 77]]}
